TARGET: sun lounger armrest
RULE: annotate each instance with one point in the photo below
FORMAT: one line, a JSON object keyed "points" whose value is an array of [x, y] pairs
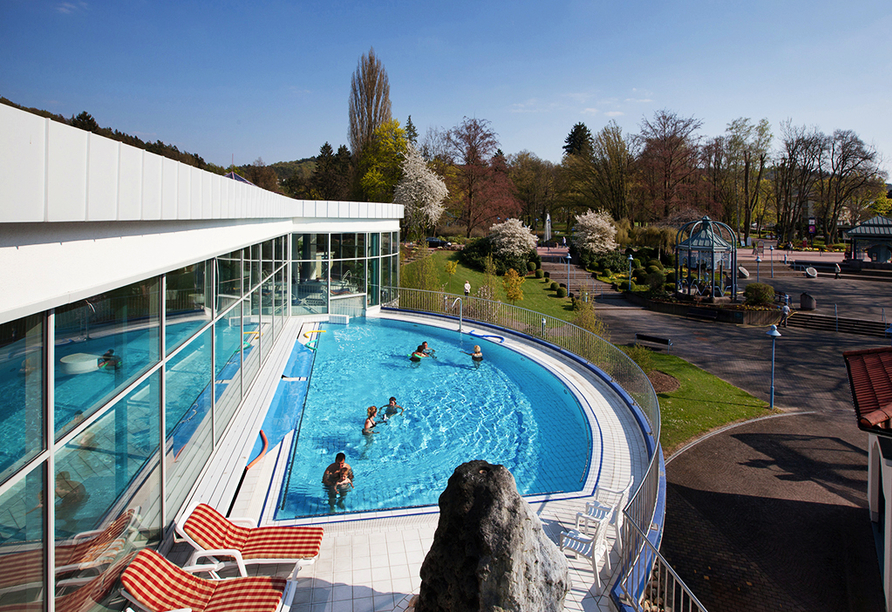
{"points": [[287, 596], [211, 554], [243, 522]]}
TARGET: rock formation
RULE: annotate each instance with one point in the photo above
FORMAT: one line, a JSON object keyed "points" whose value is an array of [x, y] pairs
{"points": [[489, 551]]}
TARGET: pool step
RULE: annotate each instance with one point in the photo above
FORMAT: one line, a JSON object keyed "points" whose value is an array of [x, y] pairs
{"points": [[340, 319]]}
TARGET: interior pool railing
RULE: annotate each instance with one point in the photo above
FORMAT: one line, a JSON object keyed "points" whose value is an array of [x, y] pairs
{"points": [[639, 576]]}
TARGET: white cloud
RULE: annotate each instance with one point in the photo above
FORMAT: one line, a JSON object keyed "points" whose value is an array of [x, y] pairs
{"points": [[590, 111], [67, 8], [614, 113]]}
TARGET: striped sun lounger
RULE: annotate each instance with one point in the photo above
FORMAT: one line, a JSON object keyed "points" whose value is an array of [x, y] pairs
{"points": [[153, 583], [213, 535]]}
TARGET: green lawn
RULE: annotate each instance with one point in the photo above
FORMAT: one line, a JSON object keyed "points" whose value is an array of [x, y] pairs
{"points": [[536, 293], [702, 403]]}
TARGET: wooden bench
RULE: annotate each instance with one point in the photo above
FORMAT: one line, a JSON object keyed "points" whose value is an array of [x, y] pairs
{"points": [[653, 340], [703, 314]]}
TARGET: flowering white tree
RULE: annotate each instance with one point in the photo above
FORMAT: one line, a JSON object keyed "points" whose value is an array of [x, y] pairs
{"points": [[595, 232], [512, 239], [421, 191]]}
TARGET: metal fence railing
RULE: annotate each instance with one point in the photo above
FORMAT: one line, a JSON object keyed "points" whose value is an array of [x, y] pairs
{"points": [[638, 556]]}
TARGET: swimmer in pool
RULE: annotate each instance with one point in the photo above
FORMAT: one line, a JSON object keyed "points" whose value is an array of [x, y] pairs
{"points": [[418, 354], [369, 425], [427, 350], [476, 356], [392, 408]]}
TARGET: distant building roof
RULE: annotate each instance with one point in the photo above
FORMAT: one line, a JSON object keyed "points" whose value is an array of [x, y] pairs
{"points": [[870, 376], [238, 178], [878, 227]]}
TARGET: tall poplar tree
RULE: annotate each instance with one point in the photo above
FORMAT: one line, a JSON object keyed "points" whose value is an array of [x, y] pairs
{"points": [[369, 101]]}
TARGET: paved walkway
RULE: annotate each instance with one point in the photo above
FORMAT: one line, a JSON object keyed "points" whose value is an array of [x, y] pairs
{"points": [[772, 514]]}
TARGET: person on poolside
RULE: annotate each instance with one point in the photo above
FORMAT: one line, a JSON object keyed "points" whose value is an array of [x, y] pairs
{"points": [[368, 427], [476, 356], [392, 408], [338, 480], [418, 354]]}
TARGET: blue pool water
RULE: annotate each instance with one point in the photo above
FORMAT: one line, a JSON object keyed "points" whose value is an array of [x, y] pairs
{"points": [[509, 411]]}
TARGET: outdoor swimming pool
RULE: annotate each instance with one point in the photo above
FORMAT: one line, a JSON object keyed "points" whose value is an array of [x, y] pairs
{"points": [[509, 411]]}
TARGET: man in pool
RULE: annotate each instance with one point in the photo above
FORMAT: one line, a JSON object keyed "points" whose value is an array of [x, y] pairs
{"points": [[391, 409], [337, 480], [427, 350]]}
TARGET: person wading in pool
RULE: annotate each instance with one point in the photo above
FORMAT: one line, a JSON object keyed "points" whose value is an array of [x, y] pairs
{"points": [[367, 428], [391, 409], [427, 350], [476, 356], [338, 479]]}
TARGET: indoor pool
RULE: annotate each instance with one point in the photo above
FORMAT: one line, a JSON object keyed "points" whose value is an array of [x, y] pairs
{"points": [[507, 411]]}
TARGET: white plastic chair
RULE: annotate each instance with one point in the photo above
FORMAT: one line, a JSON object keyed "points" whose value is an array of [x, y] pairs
{"points": [[608, 504], [592, 547]]}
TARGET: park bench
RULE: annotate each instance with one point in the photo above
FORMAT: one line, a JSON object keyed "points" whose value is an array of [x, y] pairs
{"points": [[703, 314], [653, 340]]}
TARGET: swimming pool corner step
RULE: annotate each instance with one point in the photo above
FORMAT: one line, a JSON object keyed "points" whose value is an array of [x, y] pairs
{"points": [[340, 319]]}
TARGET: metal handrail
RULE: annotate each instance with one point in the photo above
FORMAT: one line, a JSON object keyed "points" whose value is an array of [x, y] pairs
{"points": [[652, 584], [639, 513]]}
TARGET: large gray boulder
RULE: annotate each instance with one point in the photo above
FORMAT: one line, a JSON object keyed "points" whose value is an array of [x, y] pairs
{"points": [[489, 551]]}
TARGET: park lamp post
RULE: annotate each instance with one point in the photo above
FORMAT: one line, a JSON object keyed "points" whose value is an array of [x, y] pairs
{"points": [[771, 253], [758, 261], [568, 272], [774, 336], [630, 272]]}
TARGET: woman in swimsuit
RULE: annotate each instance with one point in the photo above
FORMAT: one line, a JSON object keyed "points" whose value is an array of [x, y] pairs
{"points": [[476, 356], [370, 421]]}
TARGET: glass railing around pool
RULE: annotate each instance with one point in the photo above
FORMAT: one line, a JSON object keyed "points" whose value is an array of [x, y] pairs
{"points": [[639, 556]]}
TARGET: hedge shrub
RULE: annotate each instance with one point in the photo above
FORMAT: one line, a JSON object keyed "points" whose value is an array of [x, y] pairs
{"points": [[758, 294]]}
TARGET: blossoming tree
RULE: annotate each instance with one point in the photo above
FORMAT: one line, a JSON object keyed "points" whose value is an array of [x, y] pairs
{"points": [[595, 233], [421, 191], [511, 239]]}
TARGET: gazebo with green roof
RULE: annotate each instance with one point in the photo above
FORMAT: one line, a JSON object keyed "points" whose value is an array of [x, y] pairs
{"points": [[706, 250], [873, 237]]}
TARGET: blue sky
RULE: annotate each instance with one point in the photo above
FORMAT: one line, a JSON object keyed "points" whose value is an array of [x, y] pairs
{"points": [[242, 80]]}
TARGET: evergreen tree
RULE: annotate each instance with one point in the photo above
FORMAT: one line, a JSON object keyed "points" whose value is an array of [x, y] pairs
{"points": [[578, 141], [411, 132]]}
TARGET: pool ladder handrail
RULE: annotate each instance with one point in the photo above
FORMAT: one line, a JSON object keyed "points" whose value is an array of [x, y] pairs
{"points": [[460, 305]]}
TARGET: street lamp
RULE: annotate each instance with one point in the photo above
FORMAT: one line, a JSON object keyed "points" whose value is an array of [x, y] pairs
{"points": [[771, 252], [630, 271], [774, 336], [568, 272], [758, 261]]}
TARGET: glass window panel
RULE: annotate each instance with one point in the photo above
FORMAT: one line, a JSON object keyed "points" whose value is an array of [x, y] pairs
{"points": [[229, 279], [335, 248], [103, 343], [374, 244], [112, 465], [251, 334], [22, 539], [386, 243], [267, 258], [297, 246], [189, 440], [374, 287], [347, 277], [228, 356], [21, 392], [347, 246], [187, 303], [360, 246], [279, 254], [255, 265]]}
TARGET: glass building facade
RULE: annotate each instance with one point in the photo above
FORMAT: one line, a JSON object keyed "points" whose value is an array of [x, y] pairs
{"points": [[111, 406]]}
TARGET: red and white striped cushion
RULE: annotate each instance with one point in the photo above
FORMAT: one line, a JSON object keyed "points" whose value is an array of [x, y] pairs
{"points": [[211, 530], [159, 585]]}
